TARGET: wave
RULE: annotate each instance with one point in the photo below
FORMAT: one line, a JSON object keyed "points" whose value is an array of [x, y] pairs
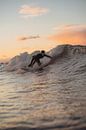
{"points": [[61, 51], [67, 50]]}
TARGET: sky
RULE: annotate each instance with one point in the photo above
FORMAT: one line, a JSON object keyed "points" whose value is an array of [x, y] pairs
{"points": [[29, 25]]}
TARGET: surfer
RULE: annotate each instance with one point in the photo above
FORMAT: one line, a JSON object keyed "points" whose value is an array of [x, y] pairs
{"points": [[37, 57]]}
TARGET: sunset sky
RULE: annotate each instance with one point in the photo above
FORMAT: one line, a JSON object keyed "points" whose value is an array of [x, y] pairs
{"points": [[28, 25]]}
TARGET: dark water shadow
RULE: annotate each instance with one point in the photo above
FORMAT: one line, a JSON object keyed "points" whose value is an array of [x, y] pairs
{"points": [[56, 127]]}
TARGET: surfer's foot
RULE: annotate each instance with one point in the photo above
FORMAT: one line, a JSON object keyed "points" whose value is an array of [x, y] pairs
{"points": [[29, 65]]}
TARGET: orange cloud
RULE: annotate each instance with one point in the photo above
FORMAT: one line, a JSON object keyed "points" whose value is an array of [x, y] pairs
{"points": [[27, 11], [23, 38], [74, 34]]}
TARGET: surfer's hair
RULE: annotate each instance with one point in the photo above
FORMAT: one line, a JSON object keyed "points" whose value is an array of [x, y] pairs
{"points": [[42, 51]]}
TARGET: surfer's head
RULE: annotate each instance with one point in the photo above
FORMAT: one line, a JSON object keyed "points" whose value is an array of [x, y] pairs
{"points": [[43, 52]]}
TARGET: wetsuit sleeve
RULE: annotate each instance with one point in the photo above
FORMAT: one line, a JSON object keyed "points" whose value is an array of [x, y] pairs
{"points": [[48, 56]]}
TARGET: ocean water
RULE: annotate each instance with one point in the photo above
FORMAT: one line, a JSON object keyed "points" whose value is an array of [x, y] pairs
{"points": [[51, 99]]}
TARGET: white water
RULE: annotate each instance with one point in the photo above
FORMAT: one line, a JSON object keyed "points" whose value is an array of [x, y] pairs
{"points": [[52, 99]]}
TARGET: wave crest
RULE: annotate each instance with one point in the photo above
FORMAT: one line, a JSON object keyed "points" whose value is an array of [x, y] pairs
{"points": [[60, 51]]}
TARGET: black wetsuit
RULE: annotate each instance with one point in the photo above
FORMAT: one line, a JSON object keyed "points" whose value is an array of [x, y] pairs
{"points": [[36, 58]]}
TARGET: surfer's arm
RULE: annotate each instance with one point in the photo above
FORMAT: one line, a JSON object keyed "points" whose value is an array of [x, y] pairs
{"points": [[48, 56]]}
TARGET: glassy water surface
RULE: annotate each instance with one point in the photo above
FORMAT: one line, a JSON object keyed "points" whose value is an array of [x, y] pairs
{"points": [[42, 100]]}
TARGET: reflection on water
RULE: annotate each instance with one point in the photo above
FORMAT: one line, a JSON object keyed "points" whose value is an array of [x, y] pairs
{"points": [[42, 100]]}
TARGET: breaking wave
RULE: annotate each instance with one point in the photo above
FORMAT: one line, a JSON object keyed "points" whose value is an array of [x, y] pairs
{"points": [[57, 53]]}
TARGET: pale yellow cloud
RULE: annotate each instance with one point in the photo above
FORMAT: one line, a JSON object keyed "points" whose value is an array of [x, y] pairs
{"points": [[23, 38], [74, 34], [27, 11]]}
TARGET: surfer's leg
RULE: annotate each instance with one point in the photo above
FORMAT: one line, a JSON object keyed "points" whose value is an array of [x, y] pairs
{"points": [[32, 62], [38, 62]]}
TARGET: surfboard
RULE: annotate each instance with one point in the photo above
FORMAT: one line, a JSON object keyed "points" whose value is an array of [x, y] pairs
{"points": [[29, 69]]}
